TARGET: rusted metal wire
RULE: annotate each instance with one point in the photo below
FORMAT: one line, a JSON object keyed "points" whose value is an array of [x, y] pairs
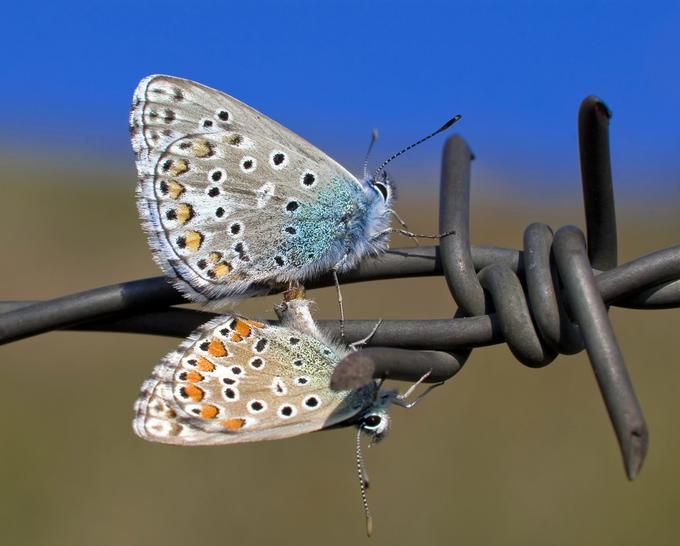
{"points": [[547, 299]]}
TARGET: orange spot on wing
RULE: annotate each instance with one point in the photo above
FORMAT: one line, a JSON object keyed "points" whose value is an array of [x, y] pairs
{"points": [[205, 365], [209, 411], [216, 348], [179, 167], [201, 148], [183, 213], [234, 424], [193, 240], [194, 392], [193, 376], [254, 323], [175, 189], [241, 328], [222, 269], [235, 337]]}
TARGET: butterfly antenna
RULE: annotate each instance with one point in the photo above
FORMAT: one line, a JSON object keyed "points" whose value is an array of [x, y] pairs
{"points": [[444, 127], [374, 137], [363, 484]]}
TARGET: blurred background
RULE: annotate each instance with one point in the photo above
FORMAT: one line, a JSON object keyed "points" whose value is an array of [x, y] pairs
{"points": [[502, 454]]}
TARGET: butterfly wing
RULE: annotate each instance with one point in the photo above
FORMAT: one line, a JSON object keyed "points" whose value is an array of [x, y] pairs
{"points": [[230, 198], [236, 380]]}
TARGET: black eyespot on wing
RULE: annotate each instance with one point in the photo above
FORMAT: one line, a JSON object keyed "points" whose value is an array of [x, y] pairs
{"points": [[256, 363], [240, 249], [230, 393]]}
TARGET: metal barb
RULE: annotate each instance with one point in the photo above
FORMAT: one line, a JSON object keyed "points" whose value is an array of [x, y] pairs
{"points": [[598, 190], [590, 313]]}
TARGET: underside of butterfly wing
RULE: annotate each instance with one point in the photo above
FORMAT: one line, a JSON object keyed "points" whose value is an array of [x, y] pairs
{"points": [[236, 380], [231, 199]]}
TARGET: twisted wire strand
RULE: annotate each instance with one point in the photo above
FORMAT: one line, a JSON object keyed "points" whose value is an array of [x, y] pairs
{"points": [[648, 282]]}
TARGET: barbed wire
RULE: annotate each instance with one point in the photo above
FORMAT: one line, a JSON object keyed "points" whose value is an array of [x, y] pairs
{"points": [[548, 299]]}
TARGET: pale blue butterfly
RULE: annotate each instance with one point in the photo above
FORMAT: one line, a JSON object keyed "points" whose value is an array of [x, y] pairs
{"points": [[231, 199], [237, 380]]}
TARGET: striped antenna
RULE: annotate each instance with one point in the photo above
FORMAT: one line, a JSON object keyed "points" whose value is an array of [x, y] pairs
{"points": [[363, 484], [444, 127], [374, 137]]}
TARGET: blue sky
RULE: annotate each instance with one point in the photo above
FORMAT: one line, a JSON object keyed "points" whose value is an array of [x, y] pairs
{"points": [[331, 71]]}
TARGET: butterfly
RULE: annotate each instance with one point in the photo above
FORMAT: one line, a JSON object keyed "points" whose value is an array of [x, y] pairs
{"points": [[239, 380], [232, 201]]}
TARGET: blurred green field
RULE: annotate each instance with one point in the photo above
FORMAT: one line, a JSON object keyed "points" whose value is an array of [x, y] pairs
{"points": [[500, 455]]}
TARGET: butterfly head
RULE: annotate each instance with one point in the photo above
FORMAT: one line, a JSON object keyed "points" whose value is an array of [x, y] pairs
{"points": [[375, 422], [379, 181], [382, 185]]}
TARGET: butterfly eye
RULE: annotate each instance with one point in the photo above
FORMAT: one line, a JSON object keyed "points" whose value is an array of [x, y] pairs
{"points": [[382, 188], [372, 421]]}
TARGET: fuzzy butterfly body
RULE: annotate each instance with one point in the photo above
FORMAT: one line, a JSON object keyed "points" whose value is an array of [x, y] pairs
{"points": [[232, 201], [236, 380]]}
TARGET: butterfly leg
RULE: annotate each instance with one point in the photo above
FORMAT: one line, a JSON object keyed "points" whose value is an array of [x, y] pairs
{"points": [[295, 291], [412, 235], [337, 287], [403, 224], [400, 400], [365, 340]]}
